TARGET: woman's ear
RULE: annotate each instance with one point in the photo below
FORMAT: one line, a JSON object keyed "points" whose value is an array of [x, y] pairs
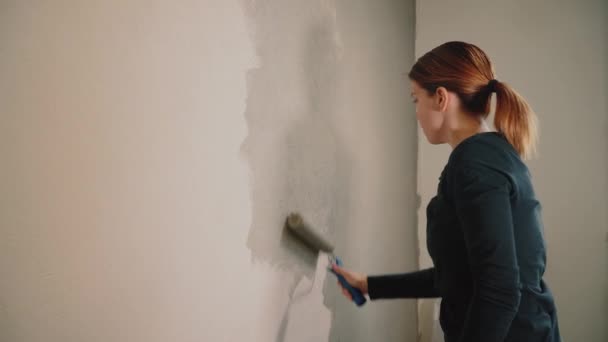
{"points": [[441, 99]]}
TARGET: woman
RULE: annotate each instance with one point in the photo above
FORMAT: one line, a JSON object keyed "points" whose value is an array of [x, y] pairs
{"points": [[484, 231]]}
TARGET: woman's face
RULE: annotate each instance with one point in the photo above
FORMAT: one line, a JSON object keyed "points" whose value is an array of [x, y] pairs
{"points": [[429, 116]]}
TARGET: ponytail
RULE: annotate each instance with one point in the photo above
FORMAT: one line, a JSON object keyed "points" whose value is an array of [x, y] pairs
{"points": [[465, 69], [515, 120]]}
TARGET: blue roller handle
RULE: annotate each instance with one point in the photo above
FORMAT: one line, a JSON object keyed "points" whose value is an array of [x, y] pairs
{"points": [[357, 295]]}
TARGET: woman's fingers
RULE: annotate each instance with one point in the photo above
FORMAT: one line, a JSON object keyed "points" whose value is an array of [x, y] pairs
{"points": [[351, 277], [337, 269], [356, 280], [345, 291], [347, 294], [343, 272]]}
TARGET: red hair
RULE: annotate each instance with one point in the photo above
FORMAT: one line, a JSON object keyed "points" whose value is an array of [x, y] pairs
{"points": [[466, 70]]}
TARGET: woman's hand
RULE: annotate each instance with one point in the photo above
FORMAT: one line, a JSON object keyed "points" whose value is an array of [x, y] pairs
{"points": [[356, 280]]}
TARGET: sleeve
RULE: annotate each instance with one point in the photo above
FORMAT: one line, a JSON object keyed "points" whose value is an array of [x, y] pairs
{"points": [[483, 204], [420, 284]]}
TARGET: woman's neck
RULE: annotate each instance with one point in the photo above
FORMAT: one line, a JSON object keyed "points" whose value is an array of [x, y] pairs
{"points": [[467, 126]]}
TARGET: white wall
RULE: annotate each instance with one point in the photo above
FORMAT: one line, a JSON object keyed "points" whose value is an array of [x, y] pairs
{"points": [[556, 55], [151, 150]]}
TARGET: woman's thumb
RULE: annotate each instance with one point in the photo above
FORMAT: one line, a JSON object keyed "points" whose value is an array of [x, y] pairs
{"points": [[341, 271]]}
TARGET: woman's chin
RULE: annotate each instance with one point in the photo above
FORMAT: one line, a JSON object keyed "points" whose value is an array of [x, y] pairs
{"points": [[434, 140]]}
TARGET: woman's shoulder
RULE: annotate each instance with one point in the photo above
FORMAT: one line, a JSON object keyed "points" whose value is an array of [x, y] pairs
{"points": [[489, 149], [485, 160]]}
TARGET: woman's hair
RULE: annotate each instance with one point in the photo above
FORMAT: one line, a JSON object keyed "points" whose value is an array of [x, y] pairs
{"points": [[466, 70]]}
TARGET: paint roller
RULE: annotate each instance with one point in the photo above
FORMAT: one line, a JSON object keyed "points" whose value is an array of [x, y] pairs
{"points": [[317, 242]]}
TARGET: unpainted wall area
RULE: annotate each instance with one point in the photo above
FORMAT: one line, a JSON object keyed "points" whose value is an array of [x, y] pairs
{"points": [[151, 151], [555, 53], [124, 205]]}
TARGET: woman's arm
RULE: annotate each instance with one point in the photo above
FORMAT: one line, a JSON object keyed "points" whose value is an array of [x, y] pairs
{"points": [[482, 201], [418, 284]]}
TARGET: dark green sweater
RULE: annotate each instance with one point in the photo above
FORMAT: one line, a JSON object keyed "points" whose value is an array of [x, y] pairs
{"points": [[484, 234]]}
